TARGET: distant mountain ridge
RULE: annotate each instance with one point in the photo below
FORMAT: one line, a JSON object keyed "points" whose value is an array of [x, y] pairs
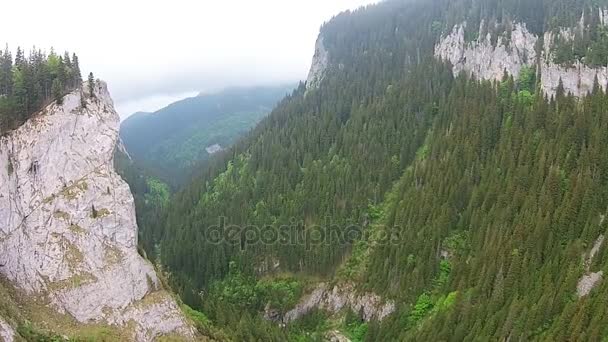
{"points": [[180, 135]]}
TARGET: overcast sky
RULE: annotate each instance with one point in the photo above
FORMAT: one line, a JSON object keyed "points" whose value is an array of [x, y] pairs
{"points": [[154, 52]]}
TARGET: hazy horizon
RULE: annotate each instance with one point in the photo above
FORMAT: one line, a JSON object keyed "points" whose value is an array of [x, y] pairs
{"points": [[152, 54]]}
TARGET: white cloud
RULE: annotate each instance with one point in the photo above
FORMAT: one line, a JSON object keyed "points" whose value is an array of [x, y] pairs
{"points": [[150, 103], [147, 48]]}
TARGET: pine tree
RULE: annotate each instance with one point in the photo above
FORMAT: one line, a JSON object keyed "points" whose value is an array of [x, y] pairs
{"points": [[77, 77], [57, 90], [6, 66], [91, 85]]}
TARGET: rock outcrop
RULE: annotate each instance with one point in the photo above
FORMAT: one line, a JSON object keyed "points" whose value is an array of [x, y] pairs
{"points": [[588, 282], [67, 221], [344, 296], [484, 59], [319, 65], [511, 52], [590, 279], [7, 333]]}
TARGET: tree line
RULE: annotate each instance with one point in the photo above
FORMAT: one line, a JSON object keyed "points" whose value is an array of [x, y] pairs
{"points": [[29, 83]]}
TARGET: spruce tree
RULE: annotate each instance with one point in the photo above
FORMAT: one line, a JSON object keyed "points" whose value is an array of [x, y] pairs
{"points": [[77, 77], [91, 84], [57, 90]]}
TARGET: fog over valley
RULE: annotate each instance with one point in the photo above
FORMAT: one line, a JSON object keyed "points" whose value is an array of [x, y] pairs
{"points": [[153, 53]]}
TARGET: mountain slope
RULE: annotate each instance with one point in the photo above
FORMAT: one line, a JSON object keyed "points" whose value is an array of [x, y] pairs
{"points": [[68, 236], [182, 134], [414, 164]]}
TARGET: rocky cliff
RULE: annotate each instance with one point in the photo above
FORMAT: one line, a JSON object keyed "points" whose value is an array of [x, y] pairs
{"points": [[515, 49], [68, 234], [319, 64], [339, 297]]}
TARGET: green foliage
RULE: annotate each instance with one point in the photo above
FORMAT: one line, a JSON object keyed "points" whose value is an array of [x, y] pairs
{"points": [[281, 294], [91, 84], [310, 327], [527, 79], [445, 303], [374, 212], [354, 327], [525, 97], [158, 193], [238, 290], [57, 90], [245, 292], [423, 306], [457, 243], [444, 274], [589, 41], [422, 152], [31, 334], [197, 317], [203, 324]]}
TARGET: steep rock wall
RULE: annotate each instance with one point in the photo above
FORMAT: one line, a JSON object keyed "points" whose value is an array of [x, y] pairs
{"points": [[67, 220], [489, 61], [318, 66], [343, 296]]}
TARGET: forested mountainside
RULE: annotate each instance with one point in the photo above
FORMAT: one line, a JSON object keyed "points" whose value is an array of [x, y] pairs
{"points": [[28, 84], [169, 142], [476, 206]]}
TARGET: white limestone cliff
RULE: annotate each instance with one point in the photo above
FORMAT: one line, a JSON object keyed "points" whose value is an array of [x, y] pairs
{"points": [[485, 60], [343, 296], [68, 232], [319, 65], [489, 61]]}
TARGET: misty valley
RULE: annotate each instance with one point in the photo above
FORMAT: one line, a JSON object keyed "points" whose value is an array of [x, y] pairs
{"points": [[438, 172]]}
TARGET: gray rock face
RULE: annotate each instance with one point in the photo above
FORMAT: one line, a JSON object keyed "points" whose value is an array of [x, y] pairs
{"points": [[7, 333], [344, 296], [67, 219], [588, 282], [485, 60], [319, 65], [489, 61], [590, 279]]}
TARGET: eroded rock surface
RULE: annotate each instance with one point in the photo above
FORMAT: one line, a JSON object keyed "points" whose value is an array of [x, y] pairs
{"points": [[7, 333], [344, 296], [590, 279], [489, 61], [319, 65], [67, 220], [588, 282]]}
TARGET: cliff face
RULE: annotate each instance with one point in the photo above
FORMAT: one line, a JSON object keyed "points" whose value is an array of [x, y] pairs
{"points": [[489, 61], [333, 300], [68, 233], [319, 63]]}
